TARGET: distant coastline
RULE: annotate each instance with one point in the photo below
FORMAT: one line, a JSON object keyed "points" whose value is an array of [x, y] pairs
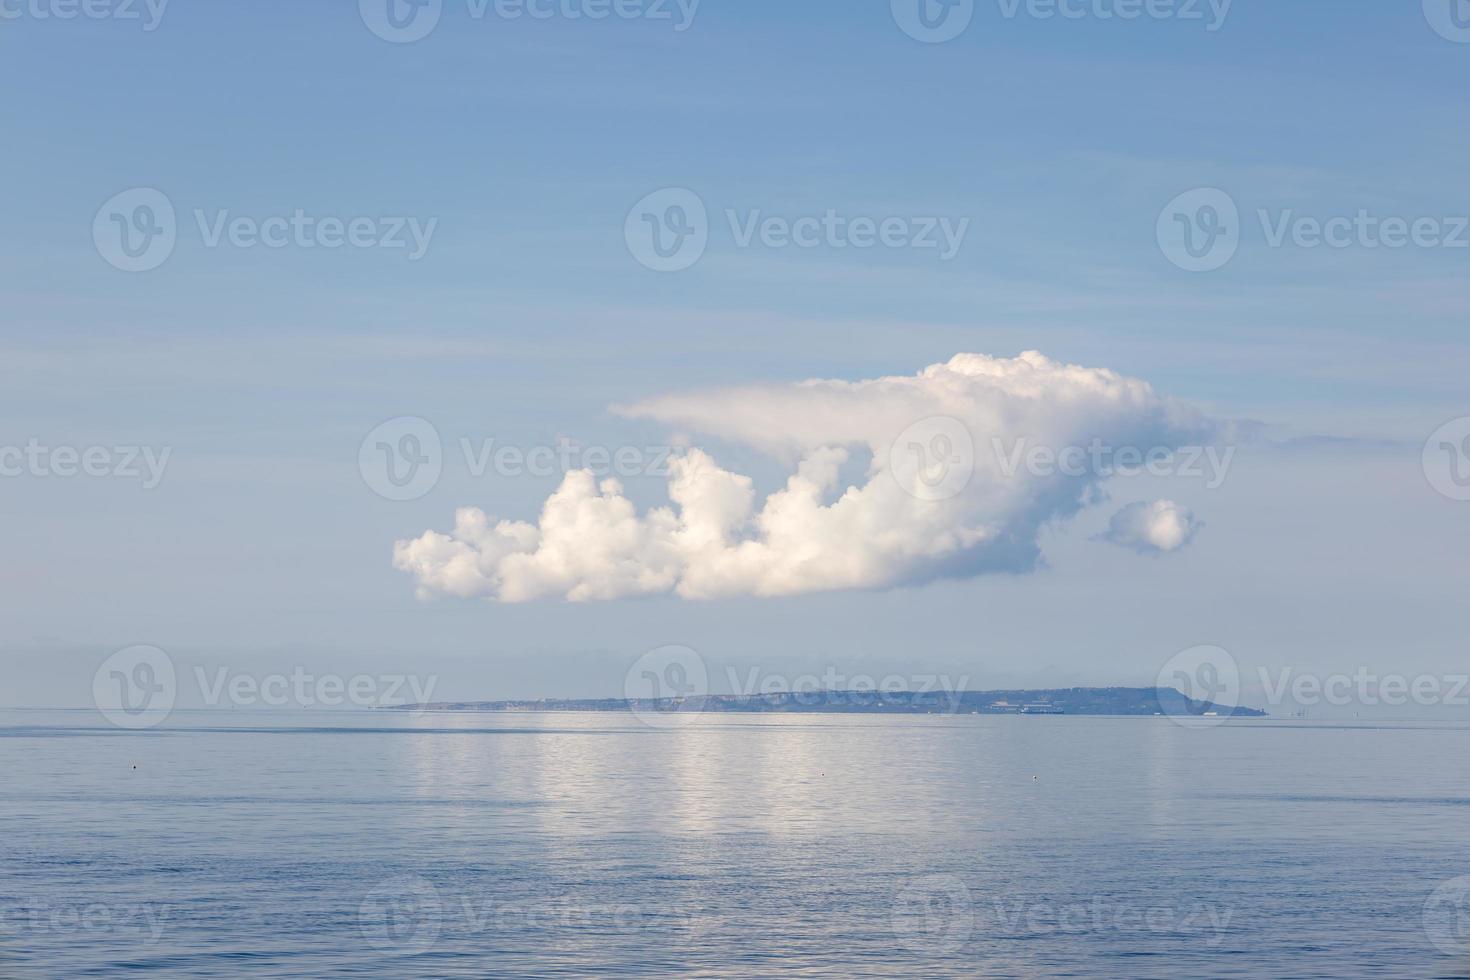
{"points": [[1112, 701]]}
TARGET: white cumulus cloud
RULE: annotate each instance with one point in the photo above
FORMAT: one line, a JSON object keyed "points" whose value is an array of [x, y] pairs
{"points": [[956, 483], [1152, 528]]}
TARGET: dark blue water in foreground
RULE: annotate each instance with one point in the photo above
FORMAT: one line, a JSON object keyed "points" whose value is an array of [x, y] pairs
{"points": [[377, 845]]}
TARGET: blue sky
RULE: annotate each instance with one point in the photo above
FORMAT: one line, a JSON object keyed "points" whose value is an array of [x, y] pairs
{"points": [[526, 318]]}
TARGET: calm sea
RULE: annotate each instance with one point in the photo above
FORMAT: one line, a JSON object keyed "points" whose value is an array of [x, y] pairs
{"points": [[374, 844]]}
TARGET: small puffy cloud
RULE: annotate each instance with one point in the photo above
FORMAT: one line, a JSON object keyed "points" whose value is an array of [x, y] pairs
{"points": [[1152, 528], [961, 476]]}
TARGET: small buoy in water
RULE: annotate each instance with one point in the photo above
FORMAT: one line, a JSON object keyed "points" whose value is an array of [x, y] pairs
{"points": [[1033, 777]]}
